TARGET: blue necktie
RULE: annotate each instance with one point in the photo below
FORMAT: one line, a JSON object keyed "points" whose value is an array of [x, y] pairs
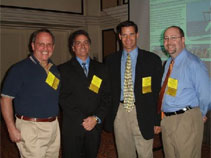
{"points": [[85, 69]]}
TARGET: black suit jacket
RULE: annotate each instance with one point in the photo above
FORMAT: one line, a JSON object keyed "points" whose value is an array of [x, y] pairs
{"points": [[76, 100], [148, 65]]}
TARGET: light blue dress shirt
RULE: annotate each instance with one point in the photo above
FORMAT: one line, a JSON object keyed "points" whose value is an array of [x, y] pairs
{"points": [[193, 84], [87, 63], [133, 55]]}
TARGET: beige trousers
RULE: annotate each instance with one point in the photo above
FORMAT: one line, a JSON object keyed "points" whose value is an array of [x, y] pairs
{"points": [[128, 137], [182, 134], [39, 139]]}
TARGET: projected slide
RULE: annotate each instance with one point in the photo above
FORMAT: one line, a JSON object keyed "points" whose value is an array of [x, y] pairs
{"points": [[193, 16]]}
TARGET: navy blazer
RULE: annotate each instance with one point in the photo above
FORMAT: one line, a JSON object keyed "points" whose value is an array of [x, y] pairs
{"points": [[148, 65]]}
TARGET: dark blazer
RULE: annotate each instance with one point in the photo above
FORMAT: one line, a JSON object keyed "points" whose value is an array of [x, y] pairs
{"points": [[76, 100], [148, 64]]}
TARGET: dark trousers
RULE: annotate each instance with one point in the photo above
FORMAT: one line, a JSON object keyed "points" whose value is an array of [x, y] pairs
{"points": [[83, 145]]}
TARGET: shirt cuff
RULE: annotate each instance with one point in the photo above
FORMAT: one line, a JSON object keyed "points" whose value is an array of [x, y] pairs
{"points": [[98, 119]]}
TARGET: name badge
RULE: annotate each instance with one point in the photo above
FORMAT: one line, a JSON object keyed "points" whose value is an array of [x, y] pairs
{"points": [[146, 85], [95, 84], [52, 80], [172, 87]]}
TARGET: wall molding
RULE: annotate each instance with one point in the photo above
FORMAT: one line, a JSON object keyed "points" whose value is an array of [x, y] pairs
{"points": [[19, 17], [81, 12], [112, 16]]}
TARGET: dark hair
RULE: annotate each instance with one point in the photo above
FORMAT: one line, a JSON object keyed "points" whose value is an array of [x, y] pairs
{"points": [[126, 24], [176, 27], [34, 34], [75, 34]]}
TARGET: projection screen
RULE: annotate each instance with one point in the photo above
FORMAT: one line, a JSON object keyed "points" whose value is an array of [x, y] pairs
{"points": [[193, 16]]}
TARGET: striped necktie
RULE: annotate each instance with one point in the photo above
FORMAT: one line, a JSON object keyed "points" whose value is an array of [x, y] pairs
{"points": [[85, 69], [128, 86]]}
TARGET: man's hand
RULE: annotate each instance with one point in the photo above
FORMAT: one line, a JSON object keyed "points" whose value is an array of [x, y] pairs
{"points": [[15, 135], [204, 119], [157, 129], [89, 123], [7, 112]]}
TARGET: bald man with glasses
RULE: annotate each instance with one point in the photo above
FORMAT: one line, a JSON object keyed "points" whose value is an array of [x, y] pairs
{"points": [[185, 98]]}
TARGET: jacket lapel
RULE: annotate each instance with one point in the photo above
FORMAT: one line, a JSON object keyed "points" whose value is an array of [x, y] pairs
{"points": [[118, 67], [77, 68], [139, 68], [91, 69]]}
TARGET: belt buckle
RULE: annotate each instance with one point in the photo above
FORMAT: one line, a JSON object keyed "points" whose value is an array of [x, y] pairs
{"points": [[185, 109]]}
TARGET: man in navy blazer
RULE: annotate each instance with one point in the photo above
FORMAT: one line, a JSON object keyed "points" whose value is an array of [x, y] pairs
{"points": [[134, 130], [84, 100]]}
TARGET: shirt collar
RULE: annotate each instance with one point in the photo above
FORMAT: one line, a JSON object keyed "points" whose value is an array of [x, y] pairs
{"points": [[180, 57], [81, 61], [133, 53], [35, 61]]}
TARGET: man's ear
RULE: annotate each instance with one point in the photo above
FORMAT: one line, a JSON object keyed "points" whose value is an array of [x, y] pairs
{"points": [[32, 45], [137, 35], [73, 48], [120, 37]]}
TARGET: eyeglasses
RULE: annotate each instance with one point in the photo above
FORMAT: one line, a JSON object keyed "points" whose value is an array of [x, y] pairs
{"points": [[173, 38]]}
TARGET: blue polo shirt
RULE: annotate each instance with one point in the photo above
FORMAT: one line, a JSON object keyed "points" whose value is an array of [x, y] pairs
{"points": [[33, 97]]}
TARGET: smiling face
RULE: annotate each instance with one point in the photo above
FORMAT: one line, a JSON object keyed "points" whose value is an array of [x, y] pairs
{"points": [[43, 47], [173, 42], [81, 47], [129, 37]]}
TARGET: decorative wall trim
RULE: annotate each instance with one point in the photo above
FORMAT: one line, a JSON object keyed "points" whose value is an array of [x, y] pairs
{"points": [[112, 16], [24, 17], [48, 10], [18, 16]]}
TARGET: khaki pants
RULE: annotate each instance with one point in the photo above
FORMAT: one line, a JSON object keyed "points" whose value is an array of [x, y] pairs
{"points": [[182, 134], [128, 136], [39, 139]]}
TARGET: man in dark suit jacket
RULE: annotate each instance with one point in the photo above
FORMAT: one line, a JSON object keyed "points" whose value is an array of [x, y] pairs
{"points": [[134, 130], [84, 100]]}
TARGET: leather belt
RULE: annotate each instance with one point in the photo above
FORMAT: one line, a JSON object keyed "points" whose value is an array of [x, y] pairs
{"points": [[178, 112], [122, 101], [49, 119]]}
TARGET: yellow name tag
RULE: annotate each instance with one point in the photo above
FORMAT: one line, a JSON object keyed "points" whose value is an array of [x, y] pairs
{"points": [[146, 85], [52, 80], [95, 84], [172, 87]]}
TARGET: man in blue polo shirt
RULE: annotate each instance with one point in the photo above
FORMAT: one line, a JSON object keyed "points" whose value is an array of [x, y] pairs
{"points": [[32, 85]]}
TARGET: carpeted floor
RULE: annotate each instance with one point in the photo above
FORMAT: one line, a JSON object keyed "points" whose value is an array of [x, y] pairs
{"points": [[107, 147]]}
